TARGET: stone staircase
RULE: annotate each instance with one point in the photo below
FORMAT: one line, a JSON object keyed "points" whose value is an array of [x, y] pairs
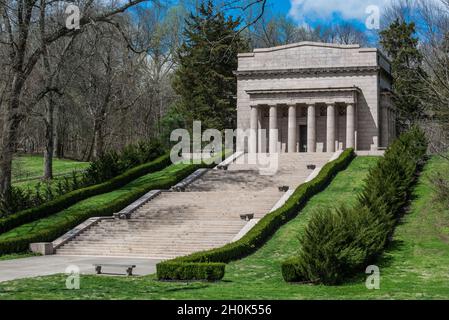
{"points": [[205, 216]]}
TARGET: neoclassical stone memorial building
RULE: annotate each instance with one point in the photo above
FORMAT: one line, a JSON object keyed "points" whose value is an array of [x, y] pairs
{"points": [[314, 97]]}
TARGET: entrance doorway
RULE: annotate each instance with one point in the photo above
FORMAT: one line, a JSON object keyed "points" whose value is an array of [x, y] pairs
{"points": [[302, 138]]}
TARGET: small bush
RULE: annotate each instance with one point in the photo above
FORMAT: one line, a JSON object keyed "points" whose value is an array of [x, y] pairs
{"points": [[112, 164], [290, 270], [337, 243], [191, 271], [14, 200]]}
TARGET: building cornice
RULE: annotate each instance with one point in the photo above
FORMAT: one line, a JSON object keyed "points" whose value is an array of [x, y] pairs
{"points": [[304, 96], [308, 90], [307, 71]]}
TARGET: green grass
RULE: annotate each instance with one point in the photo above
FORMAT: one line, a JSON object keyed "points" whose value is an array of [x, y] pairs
{"points": [[18, 255], [28, 170], [414, 267], [96, 201], [31, 167]]}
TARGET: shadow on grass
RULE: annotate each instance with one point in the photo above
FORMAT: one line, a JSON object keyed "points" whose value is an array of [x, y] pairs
{"points": [[386, 259], [383, 261]]}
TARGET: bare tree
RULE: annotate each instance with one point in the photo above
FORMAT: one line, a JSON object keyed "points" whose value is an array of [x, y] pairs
{"points": [[435, 51], [18, 18], [36, 84], [344, 33]]}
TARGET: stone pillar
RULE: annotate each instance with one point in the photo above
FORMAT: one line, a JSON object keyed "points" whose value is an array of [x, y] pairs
{"points": [[260, 138], [273, 129], [311, 128], [350, 125], [292, 128], [252, 147], [384, 126], [330, 128], [389, 127]]}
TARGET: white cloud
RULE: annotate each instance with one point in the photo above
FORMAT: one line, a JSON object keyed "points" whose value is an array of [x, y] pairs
{"points": [[323, 9]]}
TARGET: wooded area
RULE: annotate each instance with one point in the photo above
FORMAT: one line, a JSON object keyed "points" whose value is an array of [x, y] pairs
{"points": [[135, 70]]}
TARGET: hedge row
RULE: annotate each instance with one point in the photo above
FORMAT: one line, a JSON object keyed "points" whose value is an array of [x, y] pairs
{"points": [[338, 243], [212, 271], [69, 199], [21, 243], [259, 234]]}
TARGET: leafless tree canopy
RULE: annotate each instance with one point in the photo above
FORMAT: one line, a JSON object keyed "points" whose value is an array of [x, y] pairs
{"points": [[76, 92]]}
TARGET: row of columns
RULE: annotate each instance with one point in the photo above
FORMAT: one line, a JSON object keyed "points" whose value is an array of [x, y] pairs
{"points": [[311, 128]]}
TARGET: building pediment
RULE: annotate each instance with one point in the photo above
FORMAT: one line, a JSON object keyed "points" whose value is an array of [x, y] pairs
{"points": [[309, 56]]}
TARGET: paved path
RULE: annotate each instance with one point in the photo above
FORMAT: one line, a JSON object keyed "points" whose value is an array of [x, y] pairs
{"points": [[47, 265]]}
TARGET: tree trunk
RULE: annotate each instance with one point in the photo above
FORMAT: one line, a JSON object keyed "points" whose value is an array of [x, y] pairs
{"points": [[49, 138], [98, 139], [6, 157], [11, 123], [56, 142]]}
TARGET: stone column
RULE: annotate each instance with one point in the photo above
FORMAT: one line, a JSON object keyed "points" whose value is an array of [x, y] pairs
{"points": [[252, 148], [330, 128], [260, 137], [273, 129], [292, 128], [384, 126], [311, 128], [350, 125]]}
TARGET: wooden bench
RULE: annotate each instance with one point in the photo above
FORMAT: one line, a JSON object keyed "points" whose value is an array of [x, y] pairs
{"points": [[129, 267], [247, 217], [223, 167]]}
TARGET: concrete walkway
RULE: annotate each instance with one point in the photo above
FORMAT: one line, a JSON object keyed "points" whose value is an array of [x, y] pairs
{"points": [[47, 265]]}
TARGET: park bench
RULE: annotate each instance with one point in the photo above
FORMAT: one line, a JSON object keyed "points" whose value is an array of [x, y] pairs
{"points": [[283, 188], [247, 217], [223, 167], [129, 267]]}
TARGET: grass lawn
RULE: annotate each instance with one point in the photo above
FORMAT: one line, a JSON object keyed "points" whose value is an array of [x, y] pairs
{"points": [[99, 200], [31, 167], [415, 266], [27, 170], [18, 255]]}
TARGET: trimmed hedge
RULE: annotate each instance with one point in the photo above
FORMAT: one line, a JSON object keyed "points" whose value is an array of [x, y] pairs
{"points": [[266, 227], [338, 243], [71, 198], [212, 271], [290, 270]]}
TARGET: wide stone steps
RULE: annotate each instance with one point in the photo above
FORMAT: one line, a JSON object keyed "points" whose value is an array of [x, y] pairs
{"points": [[205, 216], [117, 244]]}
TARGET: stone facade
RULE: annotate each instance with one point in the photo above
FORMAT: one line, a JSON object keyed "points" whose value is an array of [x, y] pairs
{"points": [[314, 97]]}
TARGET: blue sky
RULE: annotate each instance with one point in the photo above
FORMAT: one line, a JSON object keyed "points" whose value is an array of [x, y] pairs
{"points": [[323, 12]]}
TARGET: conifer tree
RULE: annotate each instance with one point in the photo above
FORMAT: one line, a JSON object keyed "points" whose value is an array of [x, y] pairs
{"points": [[204, 78], [408, 84]]}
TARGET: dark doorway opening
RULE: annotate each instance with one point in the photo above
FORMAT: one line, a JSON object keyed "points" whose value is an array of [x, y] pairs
{"points": [[302, 138]]}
